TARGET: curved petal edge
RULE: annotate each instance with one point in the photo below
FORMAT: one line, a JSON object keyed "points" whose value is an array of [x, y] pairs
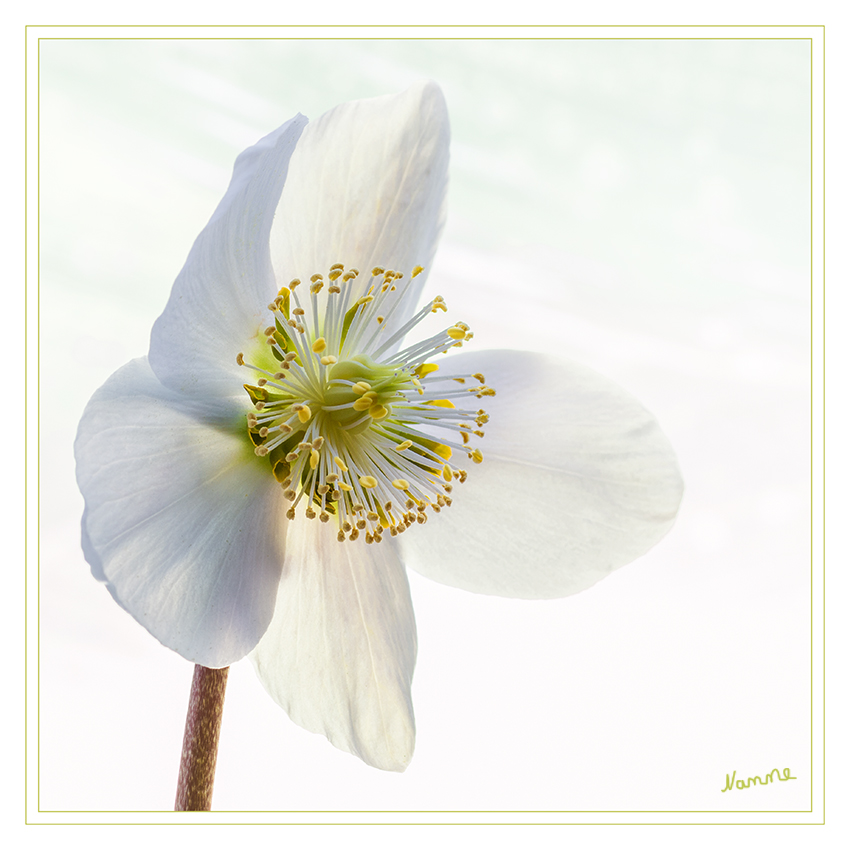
{"points": [[340, 651], [577, 480], [182, 522]]}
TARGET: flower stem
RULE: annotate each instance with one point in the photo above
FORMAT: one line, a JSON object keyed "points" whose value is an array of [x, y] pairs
{"points": [[200, 740]]}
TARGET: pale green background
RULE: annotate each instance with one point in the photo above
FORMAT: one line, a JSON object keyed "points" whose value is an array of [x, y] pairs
{"points": [[642, 206]]}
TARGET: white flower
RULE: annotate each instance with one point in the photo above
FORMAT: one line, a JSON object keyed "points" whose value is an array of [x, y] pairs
{"points": [[277, 519]]}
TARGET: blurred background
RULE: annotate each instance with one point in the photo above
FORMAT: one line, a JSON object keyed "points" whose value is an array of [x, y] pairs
{"points": [[639, 205]]}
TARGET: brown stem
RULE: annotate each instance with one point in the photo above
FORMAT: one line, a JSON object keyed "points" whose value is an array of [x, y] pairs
{"points": [[200, 740]]}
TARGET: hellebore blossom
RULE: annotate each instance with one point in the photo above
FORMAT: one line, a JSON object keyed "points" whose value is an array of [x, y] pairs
{"points": [[258, 483]]}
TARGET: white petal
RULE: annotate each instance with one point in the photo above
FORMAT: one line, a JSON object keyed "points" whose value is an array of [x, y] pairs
{"points": [[340, 651], [367, 187], [182, 520], [577, 480], [218, 302]]}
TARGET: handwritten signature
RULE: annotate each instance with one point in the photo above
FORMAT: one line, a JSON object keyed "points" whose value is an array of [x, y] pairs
{"points": [[756, 780]]}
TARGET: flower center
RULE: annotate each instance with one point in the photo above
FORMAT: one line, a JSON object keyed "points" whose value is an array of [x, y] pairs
{"points": [[348, 422]]}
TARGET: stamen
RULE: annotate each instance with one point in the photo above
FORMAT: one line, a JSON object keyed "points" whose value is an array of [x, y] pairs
{"points": [[345, 431]]}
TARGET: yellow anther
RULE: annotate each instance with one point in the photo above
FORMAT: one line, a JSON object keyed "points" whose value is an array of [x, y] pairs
{"points": [[376, 271], [363, 300], [361, 387], [380, 320], [294, 283], [456, 333], [335, 273], [328, 360], [445, 452], [405, 445], [240, 359], [476, 455], [417, 270], [315, 277], [298, 311], [378, 411], [303, 411], [347, 487], [362, 404], [478, 377], [316, 287], [368, 482], [401, 484], [339, 266], [424, 369], [314, 459], [338, 461], [319, 345], [440, 402], [340, 535]]}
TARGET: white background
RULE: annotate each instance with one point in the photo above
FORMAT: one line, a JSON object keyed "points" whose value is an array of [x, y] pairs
{"points": [[639, 205]]}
